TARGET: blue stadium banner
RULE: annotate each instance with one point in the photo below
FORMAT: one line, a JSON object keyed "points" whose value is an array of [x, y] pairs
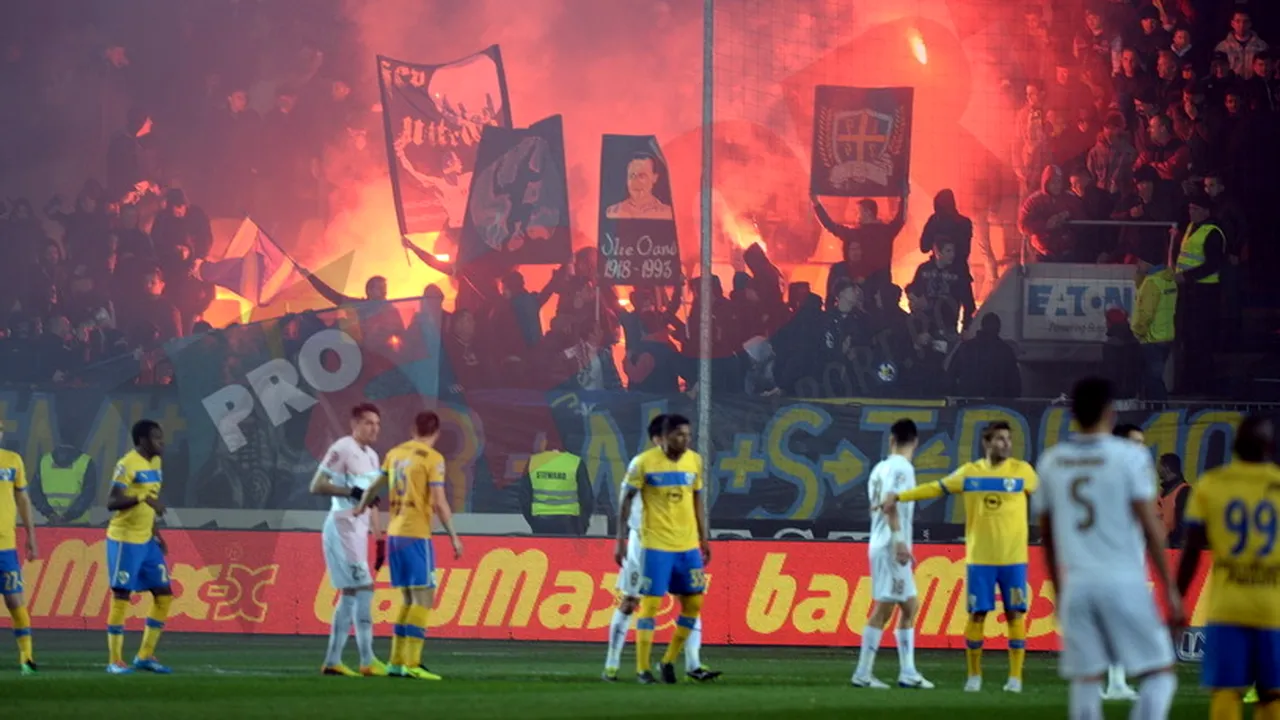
{"points": [[637, 236], [518, 207], [861, 141], [434, 117]]}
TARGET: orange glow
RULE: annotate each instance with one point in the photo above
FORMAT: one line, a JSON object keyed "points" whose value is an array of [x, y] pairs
{"points": [[742, 231], [918, 48], [394, 341]]}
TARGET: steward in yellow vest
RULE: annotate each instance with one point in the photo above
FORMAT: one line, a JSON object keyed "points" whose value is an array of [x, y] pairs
{"points": [[65, 486], [1200, 259], [556, 492]]}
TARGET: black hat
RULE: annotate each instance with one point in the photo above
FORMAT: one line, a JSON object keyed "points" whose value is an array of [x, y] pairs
{"points": [[1149, 12], [1200, 198]]}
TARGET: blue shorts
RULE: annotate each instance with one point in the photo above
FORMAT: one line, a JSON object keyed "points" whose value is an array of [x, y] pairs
{"points": [[678, 573], [10, 573], [412, 561], [982, 580], [1241, 657], [136, 567]]}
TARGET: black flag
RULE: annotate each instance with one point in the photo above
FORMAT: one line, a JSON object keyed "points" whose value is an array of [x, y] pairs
{"points": [[435, 116], [861, 141]]}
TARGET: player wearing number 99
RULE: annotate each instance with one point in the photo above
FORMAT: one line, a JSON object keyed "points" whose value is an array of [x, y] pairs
{"points": [[1096, 507], [1232, 512], [135, 550], [995, 491], [673, 534]]}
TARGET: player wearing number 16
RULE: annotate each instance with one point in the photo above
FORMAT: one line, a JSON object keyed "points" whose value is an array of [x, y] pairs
{"points": [[135, 550], [995, 491], [1232, 511], [415, 472], [673, 534]]}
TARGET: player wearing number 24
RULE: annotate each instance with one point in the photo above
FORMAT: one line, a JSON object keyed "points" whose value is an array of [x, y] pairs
{"points": [[1233, 513]]}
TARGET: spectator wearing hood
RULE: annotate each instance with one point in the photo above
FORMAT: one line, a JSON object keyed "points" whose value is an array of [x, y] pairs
{"points": [[986, 366], [1045, 215], [946, 222]]}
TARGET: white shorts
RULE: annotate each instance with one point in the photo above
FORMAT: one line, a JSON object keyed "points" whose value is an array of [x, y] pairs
{"points": [[631, 574], [1111, 623], [346, 554], [891, 581]]}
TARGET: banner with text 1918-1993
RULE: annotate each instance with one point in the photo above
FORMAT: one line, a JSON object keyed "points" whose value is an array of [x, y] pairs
{"points": [[861, 141], [434, 117], [518, 206], [637, 238]]}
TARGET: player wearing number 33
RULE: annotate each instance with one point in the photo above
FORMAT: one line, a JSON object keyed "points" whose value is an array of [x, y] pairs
{"points": [[1232, 511], [673, 535], [135, 550], [995, 491]]}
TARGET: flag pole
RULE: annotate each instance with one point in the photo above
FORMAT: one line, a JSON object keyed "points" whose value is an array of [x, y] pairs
{"points": [[705, 316]]}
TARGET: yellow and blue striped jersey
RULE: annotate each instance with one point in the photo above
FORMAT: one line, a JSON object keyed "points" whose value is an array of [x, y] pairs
{"points": [[412, 470], [668, 519], [13, 480], [139, 478], [1237, 504], [995, 508]]}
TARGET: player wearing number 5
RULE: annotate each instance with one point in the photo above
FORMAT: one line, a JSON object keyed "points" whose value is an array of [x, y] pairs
{"points": [[14, 504], [673, 535], [1232, 512], [135, 550], [995, 491]]}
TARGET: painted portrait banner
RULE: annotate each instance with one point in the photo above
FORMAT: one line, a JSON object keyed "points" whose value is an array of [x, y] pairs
{"points": [[518, 207], [637, 236], [434, 117], [861, 141]]}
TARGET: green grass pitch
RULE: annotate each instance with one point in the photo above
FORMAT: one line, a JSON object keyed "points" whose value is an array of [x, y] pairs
{"points": [[239, 677]]}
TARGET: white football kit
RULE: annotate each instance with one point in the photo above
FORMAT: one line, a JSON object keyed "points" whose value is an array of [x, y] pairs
{"points": [[1106, 612], [891, 581], [345, 535], [631, 573]]}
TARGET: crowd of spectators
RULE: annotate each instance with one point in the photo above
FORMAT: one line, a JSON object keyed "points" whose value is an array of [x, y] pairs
{"points": [[1132, 110]]}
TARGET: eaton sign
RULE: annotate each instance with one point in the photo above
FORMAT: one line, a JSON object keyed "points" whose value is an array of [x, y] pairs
{"points": [[1072, 309]]}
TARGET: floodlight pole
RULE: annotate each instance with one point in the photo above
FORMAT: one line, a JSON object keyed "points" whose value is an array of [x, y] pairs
{"points": [[705, 319]]}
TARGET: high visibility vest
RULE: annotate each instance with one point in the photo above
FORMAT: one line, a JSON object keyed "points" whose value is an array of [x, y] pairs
{"points": [[1168, 506], [554, 476], [62, 485], [1191, 253]]}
